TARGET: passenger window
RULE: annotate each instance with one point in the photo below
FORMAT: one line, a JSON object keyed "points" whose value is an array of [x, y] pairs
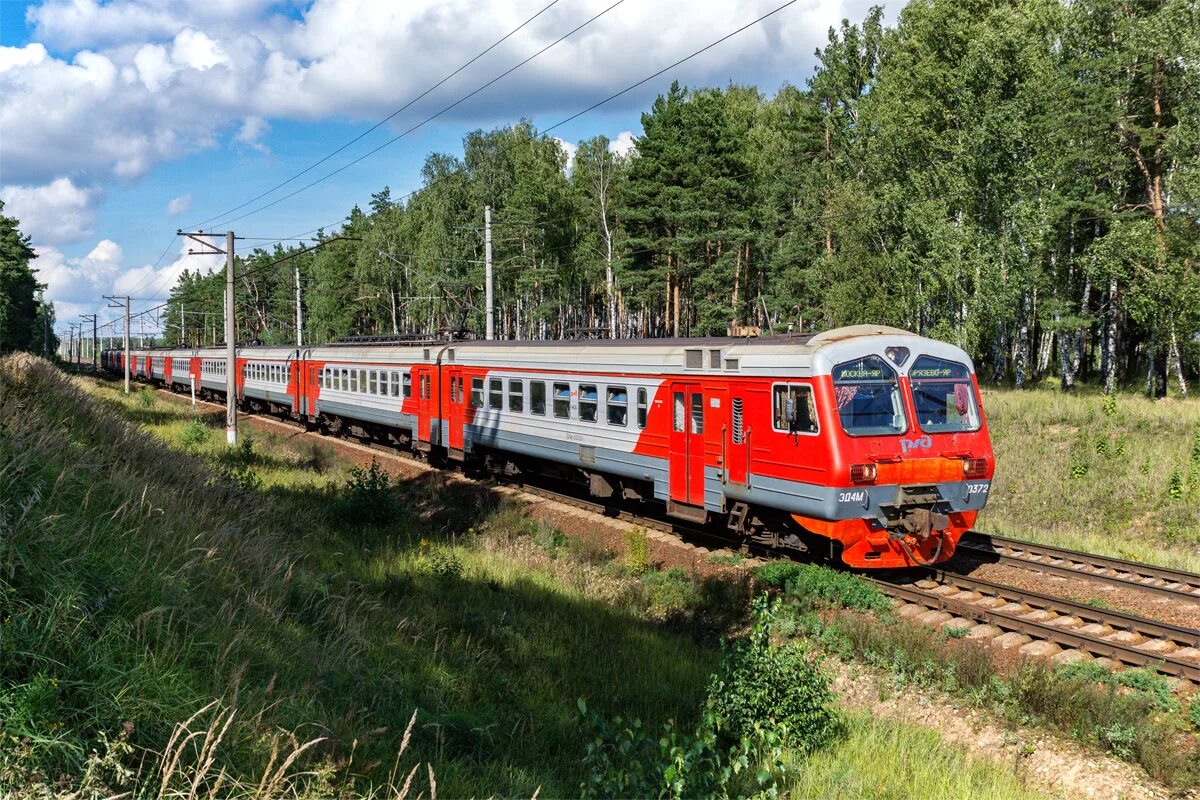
{"points": [[495, 394], [516, 396], [588, 400], [562, 400], [407, 385], [793, 409], [641, 409], [374, 383], [394, 383], [679, 411], [697, 412], [616, 406], [321, 379], [476, 392], [537, 397]]}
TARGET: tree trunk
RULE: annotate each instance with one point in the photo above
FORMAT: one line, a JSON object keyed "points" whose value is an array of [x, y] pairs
{"points": [[1178, 361], [1000, 354], [1110, 339], [1021, 357]]}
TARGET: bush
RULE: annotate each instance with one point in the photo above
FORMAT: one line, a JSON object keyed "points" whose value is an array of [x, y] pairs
{"points": [[368, 498], [145, 397], [816, 585], [784, 685], [761, 699], [637, 552], [315, 455], [671, 590], [194, 435], [235, 465]]}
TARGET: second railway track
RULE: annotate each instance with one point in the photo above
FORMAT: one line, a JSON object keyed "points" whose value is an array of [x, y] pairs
{"points": [[1162, 581]]}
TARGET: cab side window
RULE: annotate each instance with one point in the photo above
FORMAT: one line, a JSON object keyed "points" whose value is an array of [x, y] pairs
{"points": [[793, 409]]}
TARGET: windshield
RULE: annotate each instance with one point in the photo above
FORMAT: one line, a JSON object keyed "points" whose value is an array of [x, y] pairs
{"points": [[943, 396], [868, 397]]}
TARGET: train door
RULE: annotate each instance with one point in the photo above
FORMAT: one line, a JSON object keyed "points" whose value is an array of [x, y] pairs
{"points": [[686, 464], [423, 380], [457, 413]]}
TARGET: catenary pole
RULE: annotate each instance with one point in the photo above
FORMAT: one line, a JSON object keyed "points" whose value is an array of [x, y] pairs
{"points": [[123, 302], [299, 311], [230, 347], [92, 319], [487, 272]]}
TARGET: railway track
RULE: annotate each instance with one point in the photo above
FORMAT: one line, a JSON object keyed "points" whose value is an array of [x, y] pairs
{"points": [[1162, 581], [1046, 626], [990, 611]]}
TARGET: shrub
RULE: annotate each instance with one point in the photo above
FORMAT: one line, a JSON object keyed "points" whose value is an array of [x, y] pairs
{"points": [[194, 435], [758, 683], [671, 590], [816, 585], [368, 498], [761, 699], [549, 538], [315, 455], [439, 562], [1109, 406], [1175, 484], [145, 397], [637, 551]]}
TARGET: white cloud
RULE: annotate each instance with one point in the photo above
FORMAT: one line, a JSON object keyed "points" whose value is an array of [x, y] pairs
{"points": [[29, 55], [77, 285], [178, 205], [193, 48], [623, 145], [252, 131], [55, 213], [151, 80]]}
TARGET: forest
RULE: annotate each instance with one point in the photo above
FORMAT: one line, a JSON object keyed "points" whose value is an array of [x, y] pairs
{"points": [[1021, 179]]}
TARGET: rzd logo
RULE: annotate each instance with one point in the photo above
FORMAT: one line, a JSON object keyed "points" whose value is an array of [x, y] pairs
{"points": [[921, 443]]}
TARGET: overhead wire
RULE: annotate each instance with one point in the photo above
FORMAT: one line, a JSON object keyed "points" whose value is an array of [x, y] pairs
{"points": [[432, 117], [388, 118]]}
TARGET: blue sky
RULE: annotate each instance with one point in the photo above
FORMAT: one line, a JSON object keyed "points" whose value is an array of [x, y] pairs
{"points": [[115, 114]]}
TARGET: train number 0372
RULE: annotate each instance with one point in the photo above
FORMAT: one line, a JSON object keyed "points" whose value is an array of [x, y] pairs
{"points": [[977, 488]]}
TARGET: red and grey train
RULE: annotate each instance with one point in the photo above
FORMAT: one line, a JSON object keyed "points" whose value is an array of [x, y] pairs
{"points": [[868, 442]]}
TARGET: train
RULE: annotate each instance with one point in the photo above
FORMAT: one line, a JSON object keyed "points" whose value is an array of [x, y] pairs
{"points": [[864, 444]]}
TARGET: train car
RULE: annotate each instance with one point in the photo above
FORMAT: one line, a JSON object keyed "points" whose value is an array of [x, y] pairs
{"points": [[384, 392], [868, 444]]}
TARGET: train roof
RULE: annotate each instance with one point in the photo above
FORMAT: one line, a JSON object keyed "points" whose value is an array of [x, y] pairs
{"points": [[786, 354]]}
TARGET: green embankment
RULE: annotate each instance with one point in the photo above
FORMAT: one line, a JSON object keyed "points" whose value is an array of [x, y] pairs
{"points": [[1119, 475], [149, 581]]}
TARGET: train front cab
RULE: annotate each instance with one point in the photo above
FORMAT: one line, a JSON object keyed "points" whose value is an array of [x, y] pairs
{"points": [[912, 462]]}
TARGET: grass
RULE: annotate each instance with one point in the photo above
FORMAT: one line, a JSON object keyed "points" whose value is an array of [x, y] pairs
{"points": [[138, 589], [885, 760], [182, 620], [1131, 714], [1119, 477]]}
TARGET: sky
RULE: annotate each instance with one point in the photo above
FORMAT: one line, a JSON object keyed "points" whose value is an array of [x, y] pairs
{"points": [[123, 121]]}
